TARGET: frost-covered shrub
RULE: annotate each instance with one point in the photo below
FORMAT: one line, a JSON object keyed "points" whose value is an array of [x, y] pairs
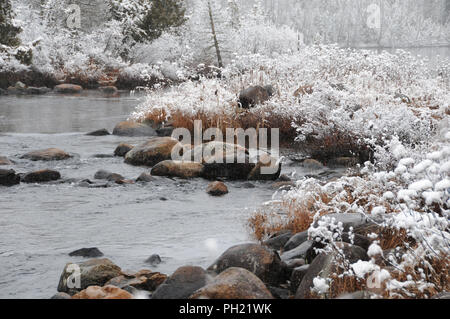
{"points": [[409, 208], [356, 98]]}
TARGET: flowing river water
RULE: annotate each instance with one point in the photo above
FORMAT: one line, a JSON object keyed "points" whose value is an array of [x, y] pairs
{"points": [[41, 224]]}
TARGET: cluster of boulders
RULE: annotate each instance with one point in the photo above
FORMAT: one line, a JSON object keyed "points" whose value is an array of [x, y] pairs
{"points": [[66, 88], [9, 177], [211, 160], [282, 267]]}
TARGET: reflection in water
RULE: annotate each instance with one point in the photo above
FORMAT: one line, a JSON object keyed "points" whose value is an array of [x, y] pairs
{"points": [[58, 114]]}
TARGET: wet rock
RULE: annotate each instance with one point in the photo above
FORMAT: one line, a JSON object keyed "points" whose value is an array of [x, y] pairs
{"points": [[129, 128], [298, 252], [68, 89], [325, 264], [267, 168], [180, 169], [5, 161], [123, 149], [41, 176], [95, 272], [108, 89], [37, 90], [152, 152], [143, 280], [3, 92], [61, 295], [165, 131], [222, 160], [51, 154], [248, 185], [217, 189], [106, 175], [145, 178], [234, 283], [124, 181], [278, 242], [232, 171], [107, 292], [296, 241], [263, 262], [253, 96], [87, 252], [297, 276], [153, 260], [102, 132], [295, 263], [182, 284], [216, 152]]}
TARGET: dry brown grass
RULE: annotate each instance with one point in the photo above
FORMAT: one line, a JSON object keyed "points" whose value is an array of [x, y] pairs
{"points": [[336, 144], [300, 215]]}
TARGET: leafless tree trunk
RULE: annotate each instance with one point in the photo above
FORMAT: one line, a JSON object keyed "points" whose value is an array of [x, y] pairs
{"points": [[213, 30]]}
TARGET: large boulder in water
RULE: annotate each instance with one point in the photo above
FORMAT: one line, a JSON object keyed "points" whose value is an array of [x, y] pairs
{"points": [[130, 128], [8, 177], [122, 149], [222, 160], [182, 284], [101, 132], [96, 272], [68, 88], [152, 152], [50, 154], [234, 283], [263, 262], [107, 292], [93, 252], [180, 169], [41, 176], [253, 96], [267, 168]]}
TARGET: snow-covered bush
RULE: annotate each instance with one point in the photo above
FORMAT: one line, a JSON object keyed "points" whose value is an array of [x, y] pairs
{"points": [[355, 97], [409, 208]]}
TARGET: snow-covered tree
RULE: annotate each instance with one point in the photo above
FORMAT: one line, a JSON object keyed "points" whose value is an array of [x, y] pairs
{"points": [[163, 15], [8, 31]]}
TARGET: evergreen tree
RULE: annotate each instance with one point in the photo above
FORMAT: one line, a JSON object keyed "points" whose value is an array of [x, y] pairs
{"points": [[8, 32], [163, 15]]}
